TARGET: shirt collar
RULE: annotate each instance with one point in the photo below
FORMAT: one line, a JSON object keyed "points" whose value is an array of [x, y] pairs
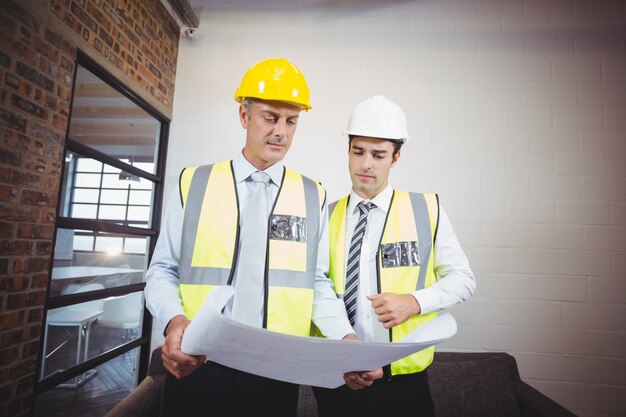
{"points": [[382, 200], [243, 169]]}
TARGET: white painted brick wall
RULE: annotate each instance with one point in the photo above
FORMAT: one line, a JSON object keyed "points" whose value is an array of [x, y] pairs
{"points": [[589, 316], [550, 186], [506, 286], [583, 212], [616, 165], [559, 288], [535, 313], [586, 263], [615, 116], [576, 69], [605, 188], [604, 140], [607, 290], [531, 211], [552, 236], [617, 213], [581, 163], [530, 162], [608, 344], [517, 117], [605, 238]]}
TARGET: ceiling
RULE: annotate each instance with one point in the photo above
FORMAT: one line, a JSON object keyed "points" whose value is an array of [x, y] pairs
{"points": [[108, 121], [250, 4]]}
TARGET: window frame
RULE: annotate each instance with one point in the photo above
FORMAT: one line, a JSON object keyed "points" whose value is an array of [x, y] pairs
{"points": [[151, 232]]}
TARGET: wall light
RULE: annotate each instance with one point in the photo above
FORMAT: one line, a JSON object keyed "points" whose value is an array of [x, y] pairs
{"points": [[128, 177]]}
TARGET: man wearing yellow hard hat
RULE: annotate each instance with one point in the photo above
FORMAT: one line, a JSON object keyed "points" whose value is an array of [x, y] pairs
{"points": [[258, 226], [395, 261]]}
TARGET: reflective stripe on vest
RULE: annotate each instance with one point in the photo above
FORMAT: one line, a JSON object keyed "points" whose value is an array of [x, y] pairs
{"points": [[411, 223], [211, 232]]}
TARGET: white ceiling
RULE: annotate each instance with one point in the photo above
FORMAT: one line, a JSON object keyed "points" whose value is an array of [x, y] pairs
{"points": [[197, 5]]}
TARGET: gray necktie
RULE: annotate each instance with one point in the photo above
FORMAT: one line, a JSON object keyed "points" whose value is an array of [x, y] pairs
{"points": [[248, 301], [354, 256]]}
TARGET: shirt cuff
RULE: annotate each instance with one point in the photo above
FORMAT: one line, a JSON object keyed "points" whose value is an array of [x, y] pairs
{"points": [[167, 314], [428, 301]]}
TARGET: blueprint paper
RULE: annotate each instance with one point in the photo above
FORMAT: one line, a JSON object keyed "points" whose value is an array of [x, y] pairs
{"points": [[300, 360]]}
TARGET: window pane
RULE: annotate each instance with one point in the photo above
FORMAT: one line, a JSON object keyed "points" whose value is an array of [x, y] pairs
{"points": [[146, 166], [108, 212], [138, 213], [84, 211], [86, 195], [133, 139], [108, 190], [117, 259], [134, 245], [87, 180], [84, 243], [140, 197], [113, 181], [111, 169], [114, 196], [143, 184], [88, 165], [63, 339], [120, 320], [120, 374], [112, 245]]}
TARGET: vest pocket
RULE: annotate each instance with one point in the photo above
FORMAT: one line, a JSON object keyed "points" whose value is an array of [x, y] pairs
{"points": [[400, 254]]}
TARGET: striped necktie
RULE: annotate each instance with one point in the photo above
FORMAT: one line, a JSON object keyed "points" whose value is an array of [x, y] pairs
{"points": [[354, 254]]}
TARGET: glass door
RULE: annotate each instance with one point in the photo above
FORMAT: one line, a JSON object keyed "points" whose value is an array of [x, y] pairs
{"points": [[96, 333]]}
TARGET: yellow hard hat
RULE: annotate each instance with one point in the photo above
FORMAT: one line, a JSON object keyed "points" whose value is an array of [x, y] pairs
{"points": [[275, 79]]}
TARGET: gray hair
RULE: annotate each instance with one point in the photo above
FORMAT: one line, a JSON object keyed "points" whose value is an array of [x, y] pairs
{"points": [[247, 103]]}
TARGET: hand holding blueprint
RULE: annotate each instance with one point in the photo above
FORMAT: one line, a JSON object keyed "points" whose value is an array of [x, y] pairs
{"points": [[300, 360]]}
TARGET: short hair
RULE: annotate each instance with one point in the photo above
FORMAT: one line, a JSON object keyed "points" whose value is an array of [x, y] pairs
{"points": [[397, 144], [247, 103]]}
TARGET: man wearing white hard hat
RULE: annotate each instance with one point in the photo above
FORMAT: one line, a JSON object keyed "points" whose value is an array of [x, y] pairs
{"points": [[395, 260]]}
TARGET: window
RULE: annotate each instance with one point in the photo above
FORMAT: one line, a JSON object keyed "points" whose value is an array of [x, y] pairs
{"points": [[104, 192], [108, 217]]}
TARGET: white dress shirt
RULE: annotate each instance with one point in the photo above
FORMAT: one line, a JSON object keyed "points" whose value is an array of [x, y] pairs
{"points": [[162, 279], [455, 280]]}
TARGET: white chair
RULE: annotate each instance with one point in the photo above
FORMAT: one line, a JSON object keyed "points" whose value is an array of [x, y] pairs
{"points": [[82, 316], [124, 313]]}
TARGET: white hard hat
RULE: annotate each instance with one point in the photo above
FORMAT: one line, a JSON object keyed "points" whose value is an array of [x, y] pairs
{"points": [[378, 117]]}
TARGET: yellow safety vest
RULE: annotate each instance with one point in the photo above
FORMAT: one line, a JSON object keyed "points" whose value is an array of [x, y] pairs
{"points": [[404, 260], [210, 240]]}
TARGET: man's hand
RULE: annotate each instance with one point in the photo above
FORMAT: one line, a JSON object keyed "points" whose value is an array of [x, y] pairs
{"points": [[357, 380], [350, 336], [363, 379], [394, 309], [176, 361]]}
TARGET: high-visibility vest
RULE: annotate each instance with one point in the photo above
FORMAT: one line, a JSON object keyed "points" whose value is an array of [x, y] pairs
{"points": [[404, 260], [210, 237]]}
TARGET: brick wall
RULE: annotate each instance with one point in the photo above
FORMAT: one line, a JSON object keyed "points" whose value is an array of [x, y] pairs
{"points": [[137, 41]]}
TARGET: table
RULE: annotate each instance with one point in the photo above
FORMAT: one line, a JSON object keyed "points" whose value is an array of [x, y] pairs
{"points": [[78, 272], [83, 320], [66, 278]]}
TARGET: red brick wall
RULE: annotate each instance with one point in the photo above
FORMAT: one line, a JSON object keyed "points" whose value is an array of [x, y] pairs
{"points": [[137, 41]]}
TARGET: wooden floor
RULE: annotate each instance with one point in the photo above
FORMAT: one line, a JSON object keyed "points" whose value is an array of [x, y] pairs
{"points": [[113, 381]]}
